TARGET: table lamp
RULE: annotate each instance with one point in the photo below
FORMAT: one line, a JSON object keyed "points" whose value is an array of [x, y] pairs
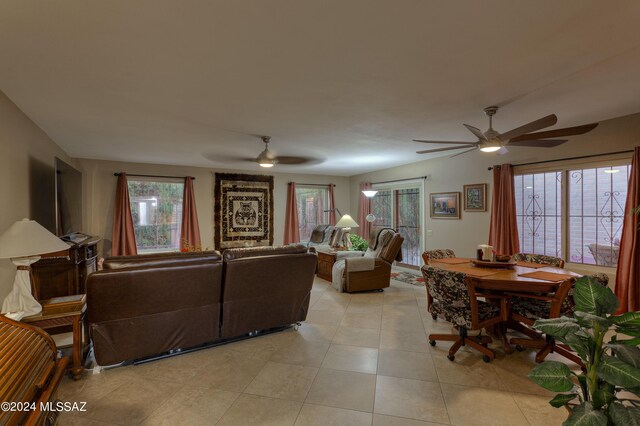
{"points": [[346, 222], [23, 242]]}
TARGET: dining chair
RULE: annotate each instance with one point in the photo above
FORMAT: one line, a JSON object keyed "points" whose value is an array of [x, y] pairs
{"points": [[456, 300], [435, 254], [526, 309], [538, 258]]}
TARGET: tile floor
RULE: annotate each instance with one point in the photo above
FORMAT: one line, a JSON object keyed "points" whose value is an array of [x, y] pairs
{"points": [[359, 359]]}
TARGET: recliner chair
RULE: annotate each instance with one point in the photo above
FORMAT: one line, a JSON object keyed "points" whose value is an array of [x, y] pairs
{"points": [[373, 270]]}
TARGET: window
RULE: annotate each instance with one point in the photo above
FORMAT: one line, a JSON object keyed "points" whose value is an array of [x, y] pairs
{"points": [[312, 202], [400, 208], [588, 230], [156, 209]]}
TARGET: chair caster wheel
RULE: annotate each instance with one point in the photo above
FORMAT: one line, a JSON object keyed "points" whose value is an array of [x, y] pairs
{"points": [[451, 357], [432, 342], [486, 358], [434, 316], [519, 348]]}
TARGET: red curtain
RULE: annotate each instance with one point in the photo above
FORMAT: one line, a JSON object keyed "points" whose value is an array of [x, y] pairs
{"points": [[364, 209], [503, 231], [291, 226], [332, 206], [123, 238], [628, 272], [190, 230]]}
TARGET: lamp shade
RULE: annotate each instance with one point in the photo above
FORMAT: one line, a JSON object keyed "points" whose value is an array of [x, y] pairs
{"points": [[346, 221], [28, 238]]}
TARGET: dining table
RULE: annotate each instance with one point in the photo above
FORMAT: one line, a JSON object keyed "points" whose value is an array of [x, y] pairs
{"points": [[519, 278]]}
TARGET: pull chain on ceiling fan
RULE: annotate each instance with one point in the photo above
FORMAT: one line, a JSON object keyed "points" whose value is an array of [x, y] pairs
{"points": [[492, 141]]}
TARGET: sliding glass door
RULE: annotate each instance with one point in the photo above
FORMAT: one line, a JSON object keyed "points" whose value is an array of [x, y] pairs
{"points": [[400, 207]]}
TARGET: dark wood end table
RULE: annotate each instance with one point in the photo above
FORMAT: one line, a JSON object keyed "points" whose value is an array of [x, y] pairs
{"points": [[73, 318], [326, 259]]}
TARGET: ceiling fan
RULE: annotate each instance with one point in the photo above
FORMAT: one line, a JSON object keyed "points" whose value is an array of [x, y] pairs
{"points": [[268, 159], [492, 141]]}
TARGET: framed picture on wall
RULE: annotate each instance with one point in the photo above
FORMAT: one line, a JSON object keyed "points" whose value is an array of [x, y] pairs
{"points": [[445, 205], [475, 197]]}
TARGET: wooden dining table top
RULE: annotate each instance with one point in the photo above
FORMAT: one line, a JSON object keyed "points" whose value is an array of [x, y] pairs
{"points": [[508, 279]]}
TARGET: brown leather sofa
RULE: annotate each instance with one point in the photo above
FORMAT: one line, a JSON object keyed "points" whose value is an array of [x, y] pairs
{"points": [[147, 305]]}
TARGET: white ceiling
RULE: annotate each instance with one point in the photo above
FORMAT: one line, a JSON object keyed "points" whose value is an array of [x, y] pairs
{"points": [[350, 82]]}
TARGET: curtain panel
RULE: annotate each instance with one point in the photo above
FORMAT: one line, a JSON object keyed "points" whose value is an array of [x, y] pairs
{"points": [[503, 231], [291, 225], [364, 209], [628, 271], [190, 229], [123, 238]]}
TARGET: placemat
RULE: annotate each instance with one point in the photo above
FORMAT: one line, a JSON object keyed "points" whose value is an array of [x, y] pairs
{"points": [[474, 272], [531, 264], [451, 260], [546, 276]]}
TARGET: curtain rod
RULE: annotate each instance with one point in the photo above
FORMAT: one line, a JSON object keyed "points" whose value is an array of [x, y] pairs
{"points": [[313, 184], [400, 180], [157, 176], [569, 158]]}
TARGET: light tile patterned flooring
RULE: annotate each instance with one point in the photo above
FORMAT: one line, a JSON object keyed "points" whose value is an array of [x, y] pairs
{"points": [[359, 359]]}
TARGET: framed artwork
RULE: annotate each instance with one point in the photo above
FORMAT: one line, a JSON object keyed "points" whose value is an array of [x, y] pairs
{"points": [[475, 197], [243, 210], [445, 205]]}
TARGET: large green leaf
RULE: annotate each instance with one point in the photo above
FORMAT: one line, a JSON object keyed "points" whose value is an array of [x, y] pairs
{"points": [[618, 372], [602, 397], [628, 354], [552, 375], [628, 330], [579, 344], [562, 399], [589, 320], [624, 416], [557, 327], [585, 415], [591, 297], [628, 318]]}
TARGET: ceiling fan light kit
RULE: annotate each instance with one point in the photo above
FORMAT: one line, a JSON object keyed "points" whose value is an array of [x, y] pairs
{"points": [[266, 158], [493, 141]]}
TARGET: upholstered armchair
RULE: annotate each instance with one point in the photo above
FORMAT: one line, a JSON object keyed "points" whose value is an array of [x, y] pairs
{"points": [[321, 235], [372, 271], [456, 300], [538, 258]]}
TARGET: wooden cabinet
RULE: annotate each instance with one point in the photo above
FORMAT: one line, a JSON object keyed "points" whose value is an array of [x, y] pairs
{"points": [[64, 274], [326, 259]]}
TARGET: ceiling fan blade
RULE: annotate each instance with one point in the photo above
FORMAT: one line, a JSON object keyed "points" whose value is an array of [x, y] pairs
{"points": [[440, 149], [538, 124], [464, 152], [476, 132], [548, 143], [290, 160], [567, 131], [449, 142]]}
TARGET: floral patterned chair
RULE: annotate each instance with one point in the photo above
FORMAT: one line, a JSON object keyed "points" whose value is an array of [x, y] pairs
{"points": [[456, 300], [526, 310], [538, 258], [438, 254], [435, 254]]}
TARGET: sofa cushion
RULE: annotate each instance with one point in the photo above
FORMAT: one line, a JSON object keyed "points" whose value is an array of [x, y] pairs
{"points": [[160, 259], [240, 253]]}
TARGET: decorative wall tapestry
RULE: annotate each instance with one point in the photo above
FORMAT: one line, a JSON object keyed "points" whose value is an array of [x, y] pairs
{"points": [[243, 210]]}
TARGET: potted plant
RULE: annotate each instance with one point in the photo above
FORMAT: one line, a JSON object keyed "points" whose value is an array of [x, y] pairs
{"points": [[608, 347], [358, 243]]}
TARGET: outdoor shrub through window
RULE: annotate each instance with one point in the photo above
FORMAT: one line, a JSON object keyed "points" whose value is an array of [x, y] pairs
{"points": [[156, 208], [592, 221]]}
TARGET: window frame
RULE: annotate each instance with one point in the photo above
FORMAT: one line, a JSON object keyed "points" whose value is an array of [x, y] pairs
{"points": [[565, 167], [327, 203], [156, 180]]}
